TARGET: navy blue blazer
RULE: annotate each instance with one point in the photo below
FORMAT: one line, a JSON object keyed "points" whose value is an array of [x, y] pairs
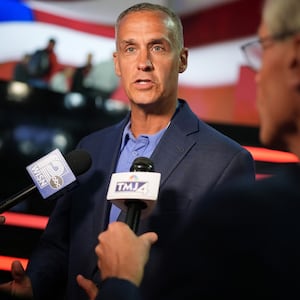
{"points": [[242, 242], [193, 159]]}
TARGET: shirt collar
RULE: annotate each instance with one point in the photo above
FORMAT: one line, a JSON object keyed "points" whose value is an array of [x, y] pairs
{"points": [[153, 138]]}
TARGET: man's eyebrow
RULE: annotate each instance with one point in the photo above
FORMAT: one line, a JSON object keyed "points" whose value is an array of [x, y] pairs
{"points": [[151, 42], [127, 42], [158, 41]]}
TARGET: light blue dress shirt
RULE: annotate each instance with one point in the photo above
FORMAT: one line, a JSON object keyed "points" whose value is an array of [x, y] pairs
{"points": [[131, 148]]}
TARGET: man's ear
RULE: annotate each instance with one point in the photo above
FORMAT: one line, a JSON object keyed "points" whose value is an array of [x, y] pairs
{"points": [[116, 63], [183, 60]]}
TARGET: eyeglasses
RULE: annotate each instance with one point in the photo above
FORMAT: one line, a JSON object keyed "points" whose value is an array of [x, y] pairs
{"points": [[254, 50]]}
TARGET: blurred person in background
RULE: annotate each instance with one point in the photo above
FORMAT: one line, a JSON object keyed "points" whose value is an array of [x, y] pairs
{"points": [[42, 65]]}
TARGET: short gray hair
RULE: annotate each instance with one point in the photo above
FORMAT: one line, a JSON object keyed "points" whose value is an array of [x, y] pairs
{"points": [[176, 30], [281, 16]]}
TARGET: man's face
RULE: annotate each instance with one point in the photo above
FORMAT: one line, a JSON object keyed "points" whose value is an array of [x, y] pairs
{"points": [[147, 60], [275, 100]]}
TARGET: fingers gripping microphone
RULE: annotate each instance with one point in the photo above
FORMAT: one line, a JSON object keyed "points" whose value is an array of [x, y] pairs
{"points": [[136, 191], [52, 175]]}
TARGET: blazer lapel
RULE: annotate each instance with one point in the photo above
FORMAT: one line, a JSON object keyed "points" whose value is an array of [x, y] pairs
{"points": [[176, 142]]}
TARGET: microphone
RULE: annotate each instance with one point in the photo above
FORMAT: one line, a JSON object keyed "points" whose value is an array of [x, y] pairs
{"points": [[135, 206], [52, 175], [136, 191]]}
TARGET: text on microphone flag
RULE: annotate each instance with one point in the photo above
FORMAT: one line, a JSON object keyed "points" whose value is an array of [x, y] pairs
{"points": [[51, 173], [140, 185]]}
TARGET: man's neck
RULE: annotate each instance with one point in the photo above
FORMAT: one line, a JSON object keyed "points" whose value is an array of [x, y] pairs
{"points": [[143, 122]]}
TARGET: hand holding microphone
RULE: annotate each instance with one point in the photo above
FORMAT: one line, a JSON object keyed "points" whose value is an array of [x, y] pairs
{"points": [[135, 192]]}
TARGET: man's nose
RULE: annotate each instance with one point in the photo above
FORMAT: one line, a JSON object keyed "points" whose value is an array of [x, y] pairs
{"points": [[145, 63]]}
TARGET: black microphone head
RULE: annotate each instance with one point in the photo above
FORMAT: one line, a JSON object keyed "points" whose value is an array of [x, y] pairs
{"points": [[79, 161], [142, 164]]}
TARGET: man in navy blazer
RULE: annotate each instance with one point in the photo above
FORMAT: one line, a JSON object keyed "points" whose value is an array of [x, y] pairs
{"points": [[243, 240], [192, 157]]}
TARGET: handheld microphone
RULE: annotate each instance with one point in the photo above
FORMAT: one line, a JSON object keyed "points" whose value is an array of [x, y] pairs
{"points": [[135, 192], [52, 174]]}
